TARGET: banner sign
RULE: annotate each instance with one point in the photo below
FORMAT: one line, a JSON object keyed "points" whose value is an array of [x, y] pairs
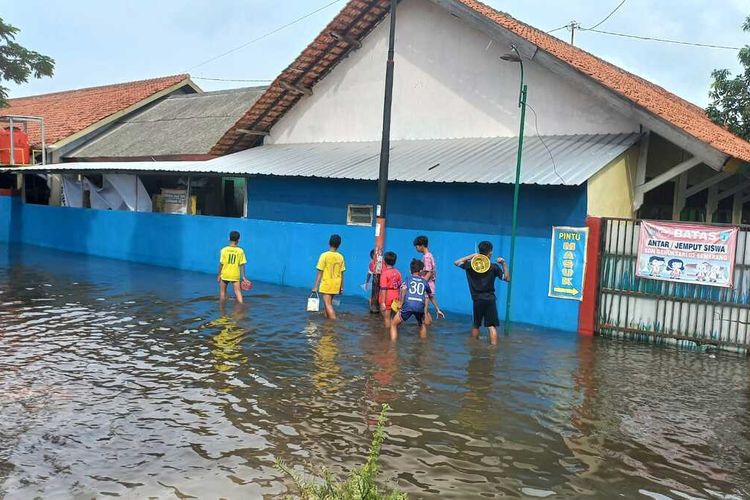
{"points": [[568, 262], [174, 201], [687, 253]]}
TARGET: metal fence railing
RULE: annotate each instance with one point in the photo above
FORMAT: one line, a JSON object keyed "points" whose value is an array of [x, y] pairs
{"points": [[632, 307]]}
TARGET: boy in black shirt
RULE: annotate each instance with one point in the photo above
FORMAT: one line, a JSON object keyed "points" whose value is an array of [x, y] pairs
{"points": [[481, 278]]}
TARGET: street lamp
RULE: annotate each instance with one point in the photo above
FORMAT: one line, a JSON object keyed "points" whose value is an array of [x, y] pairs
{"points": [[515, 57]]}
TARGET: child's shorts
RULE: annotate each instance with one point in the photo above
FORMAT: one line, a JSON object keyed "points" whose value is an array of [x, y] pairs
{"points": [[389, 299], [405, 315], [485, 311]]}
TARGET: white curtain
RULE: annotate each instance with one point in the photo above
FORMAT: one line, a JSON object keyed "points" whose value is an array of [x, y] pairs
{"points": [[118, 192], [72, 195]]}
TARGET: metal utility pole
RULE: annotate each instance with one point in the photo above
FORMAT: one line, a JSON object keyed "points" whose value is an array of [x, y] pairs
{"points": [[573, 26], [516, 58], [385, 149]]}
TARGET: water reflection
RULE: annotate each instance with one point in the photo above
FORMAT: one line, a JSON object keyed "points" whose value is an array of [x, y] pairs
{"points": [[325, 356], [228, 338], [383, 357], [477, 399], [119, 379]]}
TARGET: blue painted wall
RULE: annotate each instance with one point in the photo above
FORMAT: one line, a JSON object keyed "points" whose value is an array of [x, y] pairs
{"points": [[292, 219], [10, 218], [5, 208], [427, 207]]}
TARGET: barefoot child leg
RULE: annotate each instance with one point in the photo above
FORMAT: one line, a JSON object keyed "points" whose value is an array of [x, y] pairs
{"points": [[329, 311], [222, 289], [397, 320], [238, 292]]}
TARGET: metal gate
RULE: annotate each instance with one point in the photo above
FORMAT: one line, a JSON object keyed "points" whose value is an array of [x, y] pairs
{"points": [[663, 311]]}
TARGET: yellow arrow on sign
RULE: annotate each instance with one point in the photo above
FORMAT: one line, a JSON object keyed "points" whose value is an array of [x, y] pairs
{"points": [[570, 291]]}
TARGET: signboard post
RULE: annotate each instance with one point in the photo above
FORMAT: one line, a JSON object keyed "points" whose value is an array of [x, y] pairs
{"points": [[567, 265], [687, 253]]}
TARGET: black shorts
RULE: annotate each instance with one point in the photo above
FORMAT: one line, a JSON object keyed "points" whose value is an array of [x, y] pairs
{"points": [[485, 310], [405, 315], [227, 283]]}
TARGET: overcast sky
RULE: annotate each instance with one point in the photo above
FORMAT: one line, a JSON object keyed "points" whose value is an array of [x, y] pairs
{"points": [[96, 42]]}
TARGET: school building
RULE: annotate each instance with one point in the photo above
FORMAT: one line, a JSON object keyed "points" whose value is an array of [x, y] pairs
{"points": [[301, 162]]}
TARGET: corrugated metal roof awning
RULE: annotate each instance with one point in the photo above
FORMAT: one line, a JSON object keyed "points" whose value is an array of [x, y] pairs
{"points": [[550, 160]]}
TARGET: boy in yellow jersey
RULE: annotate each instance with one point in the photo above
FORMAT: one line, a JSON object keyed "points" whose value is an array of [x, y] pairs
{"points": [[330, 278], [232, 268]]}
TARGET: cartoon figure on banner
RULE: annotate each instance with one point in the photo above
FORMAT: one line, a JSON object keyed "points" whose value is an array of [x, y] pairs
{"points": [[702, 270], [717, 275], [723, 276], [656, 265], [676, 268]]}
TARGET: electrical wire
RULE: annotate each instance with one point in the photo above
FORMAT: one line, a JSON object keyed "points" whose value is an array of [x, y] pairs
{"points": [[574, 24], [608, 16], [266, 35], [558, 29], [549, 152], [229, 79], [664, 40]]}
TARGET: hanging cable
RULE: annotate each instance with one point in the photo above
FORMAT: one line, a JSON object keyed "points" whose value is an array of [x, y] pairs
{"points": [[558, 29], [549, 152], [664, 40], [606, 18], [573, 25], [266, 35]]}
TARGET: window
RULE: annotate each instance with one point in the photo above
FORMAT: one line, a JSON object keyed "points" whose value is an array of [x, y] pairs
{"points": [[211, 195], [359, 215]]}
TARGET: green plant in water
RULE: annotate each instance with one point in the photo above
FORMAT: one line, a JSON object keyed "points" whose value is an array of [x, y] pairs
{"points": [[361, 484]]}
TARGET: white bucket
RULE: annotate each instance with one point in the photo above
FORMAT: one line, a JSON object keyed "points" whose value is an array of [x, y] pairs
{"points": [[313, 302]]}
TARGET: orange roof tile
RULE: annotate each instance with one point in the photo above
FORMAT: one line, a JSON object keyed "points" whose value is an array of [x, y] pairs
{"points": [[359, 17], [68, 112]]}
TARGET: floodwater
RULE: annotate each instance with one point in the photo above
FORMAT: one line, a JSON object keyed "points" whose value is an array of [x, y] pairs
{"points": [[128, 380]]}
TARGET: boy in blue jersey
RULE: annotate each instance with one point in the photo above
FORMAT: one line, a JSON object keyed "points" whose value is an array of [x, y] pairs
{"points": [[415, 294]]}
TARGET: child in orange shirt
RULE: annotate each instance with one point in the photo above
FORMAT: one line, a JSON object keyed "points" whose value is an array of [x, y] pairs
{"points": [[390, 286]]}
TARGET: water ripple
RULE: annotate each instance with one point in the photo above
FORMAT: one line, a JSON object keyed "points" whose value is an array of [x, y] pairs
{"points": [[128, 380]]}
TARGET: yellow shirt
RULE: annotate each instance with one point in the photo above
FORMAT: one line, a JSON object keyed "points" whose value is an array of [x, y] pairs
{"points": [[333, 267], [231, 259]]}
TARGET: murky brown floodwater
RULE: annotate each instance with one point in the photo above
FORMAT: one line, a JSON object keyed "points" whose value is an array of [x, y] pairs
{"points": [[121, 379]]}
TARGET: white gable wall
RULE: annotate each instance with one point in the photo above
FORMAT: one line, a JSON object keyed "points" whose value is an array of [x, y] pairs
{"points": [[449, 82]]}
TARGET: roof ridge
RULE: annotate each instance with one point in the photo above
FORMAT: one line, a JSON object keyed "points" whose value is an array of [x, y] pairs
{"points": [[178, 119], [177, 78], [260, 88]]}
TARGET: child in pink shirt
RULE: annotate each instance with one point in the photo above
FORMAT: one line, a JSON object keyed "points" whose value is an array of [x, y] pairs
{"points": [[430, 268]]}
